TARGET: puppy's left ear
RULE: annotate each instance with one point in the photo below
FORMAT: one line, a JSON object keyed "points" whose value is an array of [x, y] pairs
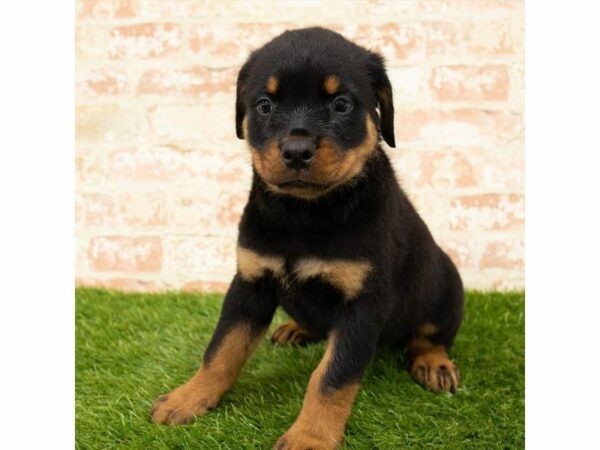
{"points": [[383, 91], [240, 105]]}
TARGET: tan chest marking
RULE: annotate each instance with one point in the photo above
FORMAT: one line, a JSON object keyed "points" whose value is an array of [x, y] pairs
{"points": [[346, 275], [252, 265]]}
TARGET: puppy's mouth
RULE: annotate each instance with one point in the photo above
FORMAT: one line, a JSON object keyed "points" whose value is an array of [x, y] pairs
{"points": [[300, 188], [301, 184]]}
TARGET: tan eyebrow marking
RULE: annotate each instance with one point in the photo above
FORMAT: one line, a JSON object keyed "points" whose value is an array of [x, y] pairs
{"points": [[331, 84], [272, 85]]}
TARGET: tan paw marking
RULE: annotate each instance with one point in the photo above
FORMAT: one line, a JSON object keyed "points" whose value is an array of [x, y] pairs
{"points": [[181, 406], [291, 333], [305, 439], [435, 371]]}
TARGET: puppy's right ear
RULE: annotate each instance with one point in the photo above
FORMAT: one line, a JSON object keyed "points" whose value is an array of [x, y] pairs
{"points": [[240, 105]]}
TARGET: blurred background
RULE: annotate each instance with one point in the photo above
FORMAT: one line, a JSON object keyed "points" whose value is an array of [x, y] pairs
{"points": [[162, 178]]}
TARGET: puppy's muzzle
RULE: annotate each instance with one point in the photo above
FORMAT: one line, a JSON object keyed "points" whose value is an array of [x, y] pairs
{"points": [[298, 153]]}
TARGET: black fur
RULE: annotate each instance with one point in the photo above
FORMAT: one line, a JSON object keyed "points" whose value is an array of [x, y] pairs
{"points": [[412, 282]]}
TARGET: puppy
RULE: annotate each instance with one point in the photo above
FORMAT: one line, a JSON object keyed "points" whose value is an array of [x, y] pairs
{"points": [[328, 235]]}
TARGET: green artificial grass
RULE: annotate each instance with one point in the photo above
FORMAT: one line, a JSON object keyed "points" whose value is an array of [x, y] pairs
{"points": [[131, 348]]}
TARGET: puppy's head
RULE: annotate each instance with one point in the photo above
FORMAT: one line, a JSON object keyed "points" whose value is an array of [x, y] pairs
{"points": [[312, 106]]}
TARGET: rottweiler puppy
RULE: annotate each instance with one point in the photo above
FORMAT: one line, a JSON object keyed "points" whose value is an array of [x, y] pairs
{"points": [[328, 235]]}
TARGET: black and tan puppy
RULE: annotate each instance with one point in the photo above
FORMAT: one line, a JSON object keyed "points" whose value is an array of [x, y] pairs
{"points": [[328, 235]]}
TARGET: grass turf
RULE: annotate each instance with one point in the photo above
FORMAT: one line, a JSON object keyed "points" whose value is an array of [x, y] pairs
{"points": [[131, 347]]}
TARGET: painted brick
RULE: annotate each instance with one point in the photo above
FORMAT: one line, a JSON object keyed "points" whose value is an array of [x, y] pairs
{"points": [[229, 44], [148, 40], [461, 127], [487, 212], [106, 9], [445, 169], [508, 254], [230, 206], [98, 82], [121, 209], [439, 9], [100, 124], [462, 252], [410, 85], [182, 123], [89, 168], [394, 41], [91, 41], [126, 253], [473, 38], [466, 83], [200, 257], [177, 9], [501, 170], [438, 39], [123, 284], [486, 169], [195, 81], [193, 208], [160, 171], [175, 163], [205, 286], [93, 208]]}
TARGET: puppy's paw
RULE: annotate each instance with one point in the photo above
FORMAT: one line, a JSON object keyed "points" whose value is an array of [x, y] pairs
{"points": [[291, 333], [435, 372], [298, 438], [181, 406]]}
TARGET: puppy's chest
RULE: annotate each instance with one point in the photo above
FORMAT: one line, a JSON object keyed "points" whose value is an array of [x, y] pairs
{"points": [[348, 276]]}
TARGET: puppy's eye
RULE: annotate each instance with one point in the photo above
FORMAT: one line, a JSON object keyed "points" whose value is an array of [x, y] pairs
{"points": [[264, 106], [342, 105]]}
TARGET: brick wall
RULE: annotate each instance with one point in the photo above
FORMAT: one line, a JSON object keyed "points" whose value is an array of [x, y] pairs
{"points": [[162, 178]]}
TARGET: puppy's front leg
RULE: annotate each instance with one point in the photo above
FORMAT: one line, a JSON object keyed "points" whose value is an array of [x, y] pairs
{"points": [[247, 312], [334, 383]]}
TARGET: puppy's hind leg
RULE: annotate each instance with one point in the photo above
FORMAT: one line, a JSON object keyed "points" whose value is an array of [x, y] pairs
{"points": [[291, 333], [431, 367], [429, 364]]}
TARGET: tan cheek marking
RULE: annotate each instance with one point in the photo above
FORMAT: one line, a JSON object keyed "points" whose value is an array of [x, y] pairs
{"points": [[252, 265], [268, 163], [346, 275], [326, 162], [331, 84], [272, 85], [323, 417], [354, 162]]}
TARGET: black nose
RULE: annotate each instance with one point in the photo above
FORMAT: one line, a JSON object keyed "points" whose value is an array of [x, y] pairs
{"points": [[298, 153]]}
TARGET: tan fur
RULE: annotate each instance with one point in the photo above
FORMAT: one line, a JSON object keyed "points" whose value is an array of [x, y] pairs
{"points": [[431, 367], [427, 329], [204, 390], [321, 422], [291, 333], [272, 85], [352, 165], [331, 84], [252, 265], [346, 275], [331, 168]]}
